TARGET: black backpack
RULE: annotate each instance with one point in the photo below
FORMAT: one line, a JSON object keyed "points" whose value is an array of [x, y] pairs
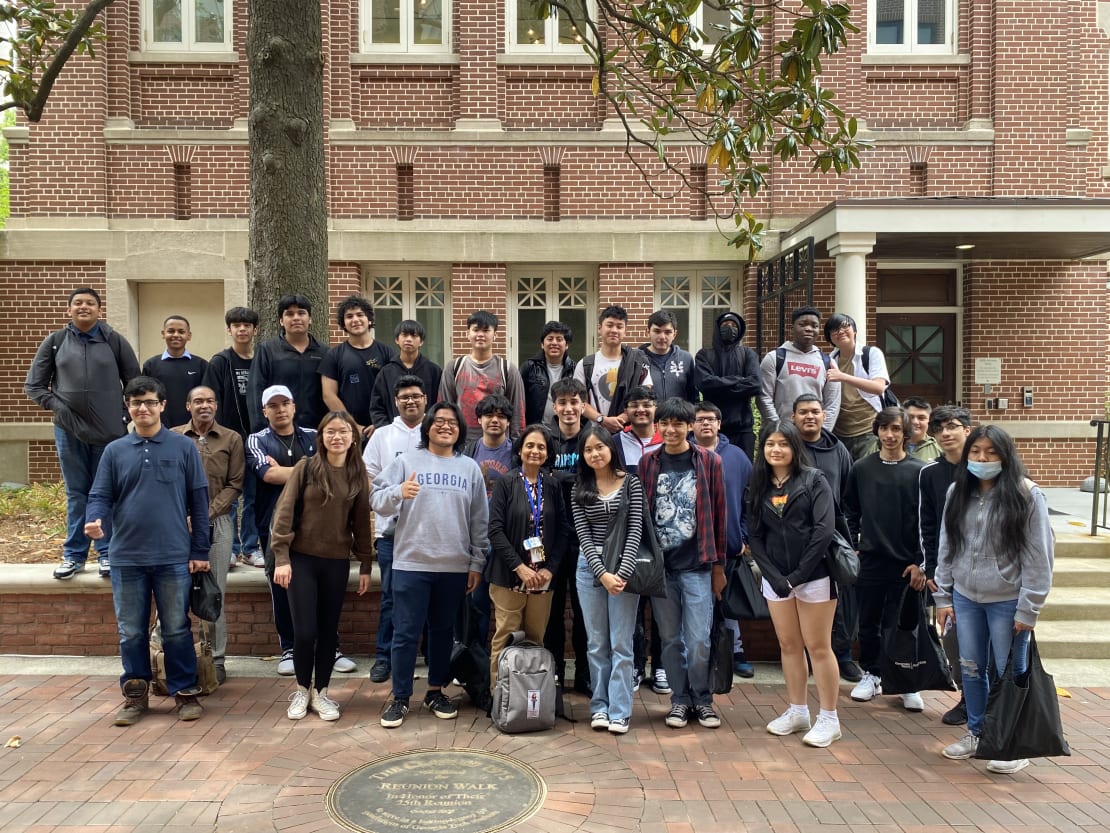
{"points": [[887, 398]]}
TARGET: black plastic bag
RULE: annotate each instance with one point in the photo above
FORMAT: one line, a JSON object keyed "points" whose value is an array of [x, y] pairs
{"points": [[205, 599], [470, 658], [1022, 719], [743, 595], [649, 576], [842, 561], [720, 654], [913, 659]]}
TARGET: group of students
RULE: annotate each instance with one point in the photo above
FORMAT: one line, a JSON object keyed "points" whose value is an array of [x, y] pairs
{"points": [[471, 502]]}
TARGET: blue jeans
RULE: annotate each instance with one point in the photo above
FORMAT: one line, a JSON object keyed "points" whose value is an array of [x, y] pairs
{"points": [[685, 620], [986, 632], [428, 597], [246, 540], [78, 461], [132, 588], [610, 624], [384, 646]]}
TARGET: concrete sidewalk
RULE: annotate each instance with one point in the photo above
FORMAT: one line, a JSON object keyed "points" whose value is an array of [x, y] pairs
{"points": [[245, 768]]}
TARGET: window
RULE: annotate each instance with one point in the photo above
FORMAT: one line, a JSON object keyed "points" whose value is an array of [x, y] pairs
{"points": [[419, 293], [558, 33], [187, 25], [405, 25], [696, 296], [714, 23], [562, 293], [911, 27]]}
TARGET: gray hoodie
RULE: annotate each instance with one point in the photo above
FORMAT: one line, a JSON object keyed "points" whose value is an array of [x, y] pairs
{"points": [[983, 574], [801, 373], [80, 379], [444, 529]]}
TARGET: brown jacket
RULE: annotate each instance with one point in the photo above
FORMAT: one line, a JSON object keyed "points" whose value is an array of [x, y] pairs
{"points": [[221, 449]]}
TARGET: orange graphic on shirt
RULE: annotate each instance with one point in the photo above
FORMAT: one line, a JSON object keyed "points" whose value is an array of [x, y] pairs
{"points": [[778, 502]]}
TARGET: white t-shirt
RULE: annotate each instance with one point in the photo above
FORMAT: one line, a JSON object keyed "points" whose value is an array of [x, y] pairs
{"points": [[602, 384]]}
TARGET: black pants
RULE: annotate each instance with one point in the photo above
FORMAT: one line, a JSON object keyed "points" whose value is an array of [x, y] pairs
{"points": [[315, 601], [879, 604], [555, 637], [845, 624], [283, 621], [640, 640]]}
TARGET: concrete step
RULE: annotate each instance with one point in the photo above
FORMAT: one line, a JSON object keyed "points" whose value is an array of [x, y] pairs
{"points": [[1078, 545], [1080, 572], [1076, 639], [1078, 603]]}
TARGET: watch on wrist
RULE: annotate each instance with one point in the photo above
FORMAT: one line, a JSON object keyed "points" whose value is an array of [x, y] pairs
{"points": [[600, 418]]}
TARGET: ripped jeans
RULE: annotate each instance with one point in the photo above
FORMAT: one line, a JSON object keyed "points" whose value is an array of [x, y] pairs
{"points": [[985, 632]]}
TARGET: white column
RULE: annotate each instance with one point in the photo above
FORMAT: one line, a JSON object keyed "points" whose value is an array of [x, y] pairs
{"points": [[850, 249]]}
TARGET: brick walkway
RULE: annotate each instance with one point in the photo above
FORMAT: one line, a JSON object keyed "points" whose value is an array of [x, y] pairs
{"points": [[245, 768]]}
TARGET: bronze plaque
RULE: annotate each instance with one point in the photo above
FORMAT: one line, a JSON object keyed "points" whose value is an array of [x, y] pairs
{"points": [[432, 790]]}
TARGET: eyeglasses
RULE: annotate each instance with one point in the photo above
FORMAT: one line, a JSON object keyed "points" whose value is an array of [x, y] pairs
{"points": [[149, 404], [410, 397], [443, 422], [706, 420], [337, 432], [949, 426], [843, 328]]}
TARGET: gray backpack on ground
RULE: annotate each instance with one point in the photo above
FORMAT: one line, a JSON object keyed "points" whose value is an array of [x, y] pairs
{"points": [[524, 694]]}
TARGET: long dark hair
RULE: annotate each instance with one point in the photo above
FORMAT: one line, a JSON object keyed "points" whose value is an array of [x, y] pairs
{"points": [[1009, 491], [353, 467], [759, 487], [585, 484]]}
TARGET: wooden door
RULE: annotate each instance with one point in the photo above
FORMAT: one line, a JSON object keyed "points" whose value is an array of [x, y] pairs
{"points": [[920, 350]]}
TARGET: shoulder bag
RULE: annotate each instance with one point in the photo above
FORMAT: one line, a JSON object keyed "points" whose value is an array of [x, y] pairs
{"points": [[743, 596], [648, 578]]}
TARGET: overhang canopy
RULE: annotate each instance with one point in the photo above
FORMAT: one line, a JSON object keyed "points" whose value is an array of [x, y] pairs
{"points": [[927, 228]]}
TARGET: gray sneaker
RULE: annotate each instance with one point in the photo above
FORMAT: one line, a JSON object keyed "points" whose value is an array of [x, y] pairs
{"points": [[962, 749], [68, 569]]}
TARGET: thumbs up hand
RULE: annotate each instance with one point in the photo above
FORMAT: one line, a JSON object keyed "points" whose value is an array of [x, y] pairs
{"points": [[410, 488]]}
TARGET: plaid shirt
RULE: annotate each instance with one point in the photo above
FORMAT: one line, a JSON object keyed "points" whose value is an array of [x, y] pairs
{"points": [[709, 482]]}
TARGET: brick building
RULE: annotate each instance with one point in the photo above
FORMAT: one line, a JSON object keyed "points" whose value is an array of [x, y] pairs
{"points": [[469, 166]]}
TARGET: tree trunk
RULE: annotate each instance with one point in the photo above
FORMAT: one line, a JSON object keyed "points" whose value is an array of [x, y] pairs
{"points": [[288, 215]]}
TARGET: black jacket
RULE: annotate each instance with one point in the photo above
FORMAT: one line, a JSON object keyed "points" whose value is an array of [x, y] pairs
{"points": [[791, 548], [383, 408], [633, 369], [510, 522], [728, 376], [537, 384]]}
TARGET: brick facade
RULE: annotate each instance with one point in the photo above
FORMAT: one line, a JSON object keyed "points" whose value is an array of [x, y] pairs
{"points": [[480, 161]]}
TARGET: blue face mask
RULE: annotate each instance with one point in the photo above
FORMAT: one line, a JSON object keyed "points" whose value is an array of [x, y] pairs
{"points": [[984, 471]]}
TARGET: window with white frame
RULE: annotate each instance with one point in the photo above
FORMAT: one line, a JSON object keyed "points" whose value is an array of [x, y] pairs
{"points": [[560, 293], [697, 295], [714, 23], [187, 25], [911, 27], [405, 25], [559, 32], [421, 293]]}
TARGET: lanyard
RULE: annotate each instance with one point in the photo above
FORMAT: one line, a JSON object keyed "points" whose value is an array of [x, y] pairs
{"points": [[535, 501]]}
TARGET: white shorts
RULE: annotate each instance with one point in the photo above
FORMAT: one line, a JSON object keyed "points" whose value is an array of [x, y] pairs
{"points": [[811, 592]]}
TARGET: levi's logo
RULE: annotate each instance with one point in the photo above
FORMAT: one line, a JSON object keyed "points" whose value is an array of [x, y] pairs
{"points": [[801, 369]]}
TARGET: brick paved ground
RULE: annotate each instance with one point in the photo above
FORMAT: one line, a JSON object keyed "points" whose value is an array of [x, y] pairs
{"points": [[245, 768]]}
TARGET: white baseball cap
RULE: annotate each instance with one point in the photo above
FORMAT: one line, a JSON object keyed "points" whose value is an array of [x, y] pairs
{"points": [[275, 390]]}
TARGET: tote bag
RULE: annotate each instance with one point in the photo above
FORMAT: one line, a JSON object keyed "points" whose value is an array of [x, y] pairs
{"points": [[648, 576], [743, 596], [720, 654], [913, 659], [1022, 719]]}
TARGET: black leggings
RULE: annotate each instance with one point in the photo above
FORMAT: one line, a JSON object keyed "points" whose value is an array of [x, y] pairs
{"points": [[315, 601]]}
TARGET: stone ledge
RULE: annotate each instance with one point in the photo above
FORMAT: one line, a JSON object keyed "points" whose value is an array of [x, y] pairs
{"points": [[38, 579]]}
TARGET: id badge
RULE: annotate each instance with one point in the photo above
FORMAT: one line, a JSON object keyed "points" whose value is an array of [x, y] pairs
{"points": [[534, 546]]}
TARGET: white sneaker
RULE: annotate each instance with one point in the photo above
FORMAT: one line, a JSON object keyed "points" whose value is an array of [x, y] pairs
{"points": [[962, 749], [298, 704], [788, 723], [912, 702], [285, 664], [599, 721], [824, 732], [256, 559], [323, 705], [1008, 767], [867, 688], [343, 665]]}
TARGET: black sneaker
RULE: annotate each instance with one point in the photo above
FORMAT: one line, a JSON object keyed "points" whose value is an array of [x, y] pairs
{"points": [[677, 717], [103, 567], [850, 671], [221, 675], [440, 705], [741, 667], [394, 714], [380, 671], [957, 715], [68, 569], [707, 717]]}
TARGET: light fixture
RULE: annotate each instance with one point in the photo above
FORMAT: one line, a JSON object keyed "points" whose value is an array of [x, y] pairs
{"points": [[964, 247]]}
